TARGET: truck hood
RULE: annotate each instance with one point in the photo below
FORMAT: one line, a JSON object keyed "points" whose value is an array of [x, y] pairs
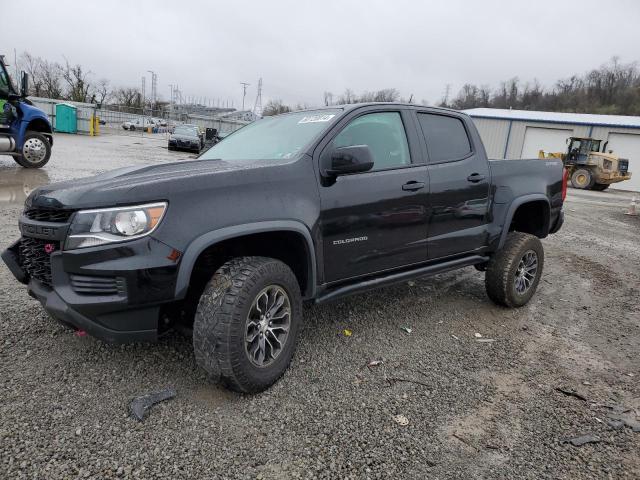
{"points": [[130, 185]]}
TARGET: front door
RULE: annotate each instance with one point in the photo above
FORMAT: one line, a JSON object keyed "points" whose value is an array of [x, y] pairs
{"points": [[459, 185], [376, 220]]}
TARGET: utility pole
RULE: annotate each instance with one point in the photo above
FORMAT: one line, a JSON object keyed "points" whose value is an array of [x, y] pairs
{"points": [[257, 108], [143, 93], [244, 92], [154, 85]]}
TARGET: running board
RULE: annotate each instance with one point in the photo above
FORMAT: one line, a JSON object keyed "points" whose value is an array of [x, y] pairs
{"points": [[392, 278]]}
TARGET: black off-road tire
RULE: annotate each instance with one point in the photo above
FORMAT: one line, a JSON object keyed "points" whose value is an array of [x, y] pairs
{"points": [[600, 186], [44, 141], [582, 179], [220, 323], [500, 277]]}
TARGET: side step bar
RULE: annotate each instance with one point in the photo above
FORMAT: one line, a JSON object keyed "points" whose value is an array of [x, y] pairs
{"points": [[377, 282]]}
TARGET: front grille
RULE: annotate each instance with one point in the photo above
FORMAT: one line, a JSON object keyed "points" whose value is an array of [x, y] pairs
{"points": [[35, 258], [623, 165], [91, 285], [48, 214]]}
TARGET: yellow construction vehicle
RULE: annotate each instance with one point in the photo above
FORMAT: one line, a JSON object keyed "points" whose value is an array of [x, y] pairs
{"points": [[588, 167]]}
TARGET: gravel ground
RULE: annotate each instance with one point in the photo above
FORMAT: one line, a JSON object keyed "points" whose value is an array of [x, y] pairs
{"points": [[474, 409]]}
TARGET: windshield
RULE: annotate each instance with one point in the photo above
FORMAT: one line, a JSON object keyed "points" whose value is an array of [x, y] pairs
{"points": [[182, 130], [282, 136]]}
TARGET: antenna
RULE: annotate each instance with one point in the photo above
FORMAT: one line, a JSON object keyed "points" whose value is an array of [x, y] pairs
{"points": [[257, 108], [244, 92]]}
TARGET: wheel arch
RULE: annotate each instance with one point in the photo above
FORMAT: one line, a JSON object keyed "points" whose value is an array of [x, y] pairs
{"points": [[39, 125], [210, 240], [519, 208]]}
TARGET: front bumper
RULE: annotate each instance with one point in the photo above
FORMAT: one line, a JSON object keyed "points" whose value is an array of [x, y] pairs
{"points": [[113, 292]]}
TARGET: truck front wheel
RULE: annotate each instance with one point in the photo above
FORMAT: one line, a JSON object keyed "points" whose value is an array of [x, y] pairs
{"points": [[36, 150], [247, 322], [582, 179], [513, 272]]}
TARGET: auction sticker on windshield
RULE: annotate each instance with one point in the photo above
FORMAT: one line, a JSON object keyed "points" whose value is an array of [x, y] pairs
{"points": [[316, 118]]}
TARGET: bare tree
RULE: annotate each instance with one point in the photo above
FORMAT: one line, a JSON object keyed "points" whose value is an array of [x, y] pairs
{"points": [[33, 66], [275, 107], [102, 92], [128, 97], [78, 82]]}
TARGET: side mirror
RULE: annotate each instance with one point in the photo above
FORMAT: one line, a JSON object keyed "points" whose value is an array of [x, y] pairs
{"points": [[352, 159], [24, 84]]}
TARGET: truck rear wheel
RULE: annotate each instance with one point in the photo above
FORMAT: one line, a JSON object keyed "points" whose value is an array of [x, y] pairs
{"points": [[246, 323], [600, 186], [514, 271], [582, 179], [36, 150]]}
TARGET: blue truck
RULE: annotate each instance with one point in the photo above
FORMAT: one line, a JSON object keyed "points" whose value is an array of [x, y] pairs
{"points": [[25, 131]]}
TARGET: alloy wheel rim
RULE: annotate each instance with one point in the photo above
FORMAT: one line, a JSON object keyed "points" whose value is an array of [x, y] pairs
{"points": [[34, 150], [526, 272], [267, 326]]}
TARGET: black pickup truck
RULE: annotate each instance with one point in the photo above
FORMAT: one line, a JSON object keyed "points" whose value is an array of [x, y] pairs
{"points": [[306, 206]]}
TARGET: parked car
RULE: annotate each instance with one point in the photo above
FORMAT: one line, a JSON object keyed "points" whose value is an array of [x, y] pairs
{"points": [[138, 124], [305, 206], [186, 137]]}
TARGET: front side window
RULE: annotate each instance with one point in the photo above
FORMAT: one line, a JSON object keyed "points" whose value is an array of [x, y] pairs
{"points": [[383, 133], [446, 137]]}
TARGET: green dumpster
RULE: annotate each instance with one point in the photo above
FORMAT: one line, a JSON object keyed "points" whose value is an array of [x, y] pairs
{"points": [[66, 118]]}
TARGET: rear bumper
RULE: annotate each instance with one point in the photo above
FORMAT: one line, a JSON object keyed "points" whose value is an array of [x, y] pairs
{"points": [[558, 223], [114, 293]]}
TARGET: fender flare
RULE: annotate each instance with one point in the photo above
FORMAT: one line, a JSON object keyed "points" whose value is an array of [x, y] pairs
{"points": [[534, 197], [201, 243]]}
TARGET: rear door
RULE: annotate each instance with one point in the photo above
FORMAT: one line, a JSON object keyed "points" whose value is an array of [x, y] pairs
{"points": [[376, 220], [459, 185]]}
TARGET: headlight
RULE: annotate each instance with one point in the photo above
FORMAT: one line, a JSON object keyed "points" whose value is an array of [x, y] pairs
{"points": [[106, 225]]}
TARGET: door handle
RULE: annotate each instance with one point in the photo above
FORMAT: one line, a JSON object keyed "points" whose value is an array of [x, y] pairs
{"points": [[412, 186], [475, 177]]}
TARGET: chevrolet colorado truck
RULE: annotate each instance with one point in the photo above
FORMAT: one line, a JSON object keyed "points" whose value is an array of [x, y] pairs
{"points": [[306, 206]]}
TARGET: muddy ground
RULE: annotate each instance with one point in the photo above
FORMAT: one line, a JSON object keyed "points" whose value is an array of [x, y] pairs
{"points": [[475, 409]]}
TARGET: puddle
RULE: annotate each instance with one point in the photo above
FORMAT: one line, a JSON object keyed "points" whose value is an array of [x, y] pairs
{"points": [[17, 183]]}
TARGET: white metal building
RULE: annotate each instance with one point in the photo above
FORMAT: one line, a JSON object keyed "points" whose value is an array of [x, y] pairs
{"points": [[523, 133]]}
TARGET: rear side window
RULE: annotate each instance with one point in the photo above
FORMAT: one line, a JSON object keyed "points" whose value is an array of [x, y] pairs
{"points": [[446, 137]]}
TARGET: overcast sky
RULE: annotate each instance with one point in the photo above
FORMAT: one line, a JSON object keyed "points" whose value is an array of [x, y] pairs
{"points": [[302, 48]]}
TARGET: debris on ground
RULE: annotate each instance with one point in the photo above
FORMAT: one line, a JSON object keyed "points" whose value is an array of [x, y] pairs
{"points": [[411, 283], [477, 335], [139, 405], [581, 440], [401, 420], [615, 424], [347, 332], [485, 340], [374, 363], [407, 329], [454, 337], [570, 392], [618, 420]]}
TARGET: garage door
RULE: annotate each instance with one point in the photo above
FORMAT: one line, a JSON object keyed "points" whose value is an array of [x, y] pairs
{"points": [[627, 145], [547, 139]]}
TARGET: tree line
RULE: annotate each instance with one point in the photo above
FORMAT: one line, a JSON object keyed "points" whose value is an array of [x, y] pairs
{"points": [[612, 88], [67, 81]]}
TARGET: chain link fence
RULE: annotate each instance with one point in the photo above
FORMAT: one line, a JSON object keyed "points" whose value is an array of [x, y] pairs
{"points": [[117, 120]]}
